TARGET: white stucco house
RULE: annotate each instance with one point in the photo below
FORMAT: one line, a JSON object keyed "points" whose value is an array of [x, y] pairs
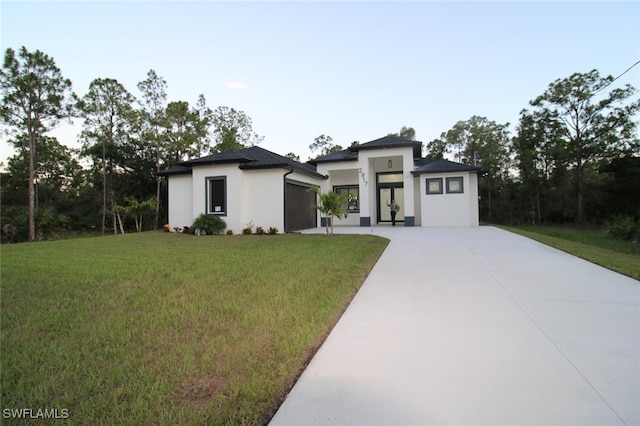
{"points": [[254, 186]]}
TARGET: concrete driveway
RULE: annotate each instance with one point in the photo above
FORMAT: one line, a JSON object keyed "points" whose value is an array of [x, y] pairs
{"points": [[476, 326]]}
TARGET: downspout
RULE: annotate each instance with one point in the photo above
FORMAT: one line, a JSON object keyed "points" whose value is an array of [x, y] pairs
{"points": [[284, 197]]}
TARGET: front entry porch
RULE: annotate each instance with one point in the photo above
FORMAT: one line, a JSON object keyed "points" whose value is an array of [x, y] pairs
{"points": [[390, 187]]}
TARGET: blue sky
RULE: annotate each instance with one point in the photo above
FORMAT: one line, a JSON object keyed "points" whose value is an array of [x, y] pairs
{"points": [[352, 70]]}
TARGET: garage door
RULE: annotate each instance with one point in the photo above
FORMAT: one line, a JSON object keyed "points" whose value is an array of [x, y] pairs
{"points": [[299, 212]]}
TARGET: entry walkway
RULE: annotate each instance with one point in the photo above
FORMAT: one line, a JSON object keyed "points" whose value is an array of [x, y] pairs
{"points": [[476, 326]]}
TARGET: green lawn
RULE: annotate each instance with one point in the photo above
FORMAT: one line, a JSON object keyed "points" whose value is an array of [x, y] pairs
{"points": [[159, 328], [590, 244]]}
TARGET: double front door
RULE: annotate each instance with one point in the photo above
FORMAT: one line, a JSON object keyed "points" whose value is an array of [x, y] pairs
{"points": [[390, 187]]}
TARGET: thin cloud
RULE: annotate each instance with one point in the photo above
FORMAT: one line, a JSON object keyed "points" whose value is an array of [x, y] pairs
{"points": [[237, 85]]}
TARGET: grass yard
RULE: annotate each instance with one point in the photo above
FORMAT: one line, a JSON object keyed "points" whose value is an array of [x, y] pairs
{"points": [[590, 244], [158, 328]]}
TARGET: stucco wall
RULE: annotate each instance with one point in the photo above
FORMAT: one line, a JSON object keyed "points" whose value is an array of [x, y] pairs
{"points": [[234, 190], [455, 210], [257, 197], [341, 173], [254, 197], [180, 201], [345, 177], [377, 161], [363, 173], [263, 203], [417, 204], [474, 202]]}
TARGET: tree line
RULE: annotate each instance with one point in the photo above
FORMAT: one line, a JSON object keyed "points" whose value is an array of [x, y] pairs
{"points": [[574, 157], [124, 139]]}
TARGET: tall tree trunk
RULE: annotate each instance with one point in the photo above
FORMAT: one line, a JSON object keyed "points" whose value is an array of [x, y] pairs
{"points": [[580, 184], [119, 218], [104, 190], [489, 216], [114, 220], [155, 223], [565, 175], [157, 203], [538, 205], [580, 179], [32, 189]]}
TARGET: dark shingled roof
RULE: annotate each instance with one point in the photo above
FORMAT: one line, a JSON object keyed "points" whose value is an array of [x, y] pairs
{"points": [[344, 155], [391, 142], [351, 153], [255, 157], [252, 157], [175, 170], [439, 165]]}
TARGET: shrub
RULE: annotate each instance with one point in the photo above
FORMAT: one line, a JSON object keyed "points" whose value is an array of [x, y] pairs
{"points": [[259, 230], [247, 230], [208, 224], [229, 232], [623, 228], [273, 230]]}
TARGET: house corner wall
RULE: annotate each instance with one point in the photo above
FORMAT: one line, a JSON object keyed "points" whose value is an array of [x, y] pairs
{"points": [[474, 200], [410, 215], [234, 199], [418, 203], [180, 201], [263, 193], [450, 209]]}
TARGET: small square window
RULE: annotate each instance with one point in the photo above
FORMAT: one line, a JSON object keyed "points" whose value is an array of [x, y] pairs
{"points": [[434, 186], [454, 185]]}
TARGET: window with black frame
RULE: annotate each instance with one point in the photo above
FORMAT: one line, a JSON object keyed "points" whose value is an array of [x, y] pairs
{"points": [[454, 185], [217, 195], [353, 203], [434, 186]]}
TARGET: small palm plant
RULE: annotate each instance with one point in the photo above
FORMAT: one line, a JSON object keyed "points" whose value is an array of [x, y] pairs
{"points": [[208, 224], [332, 206], [137, 209]]}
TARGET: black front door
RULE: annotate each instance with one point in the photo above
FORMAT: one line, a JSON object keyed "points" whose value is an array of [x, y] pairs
{"points": [[390, 187]]}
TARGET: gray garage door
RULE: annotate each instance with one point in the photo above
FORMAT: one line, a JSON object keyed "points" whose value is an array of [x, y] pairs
{"points": [[299, 213]]}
